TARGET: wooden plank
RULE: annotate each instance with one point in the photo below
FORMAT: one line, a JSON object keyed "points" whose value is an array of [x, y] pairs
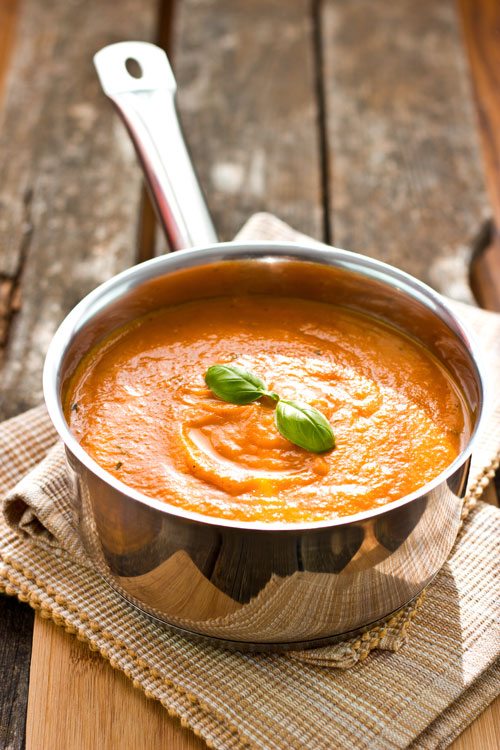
{"points": [[481, 28], [406, 177], [296, 200], [8, 24], [246, 75], [16, 619], [77, 701], [485, 273], [481, 25], [16, 627], [69, 197], [482, 734], [68, 207], [407, 184]]}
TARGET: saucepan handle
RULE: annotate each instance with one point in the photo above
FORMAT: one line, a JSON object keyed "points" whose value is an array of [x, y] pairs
{"points": [[138, 79]]}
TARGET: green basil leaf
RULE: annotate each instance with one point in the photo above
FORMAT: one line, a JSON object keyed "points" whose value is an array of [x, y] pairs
{"points": [[235, 384], [304, 426]]}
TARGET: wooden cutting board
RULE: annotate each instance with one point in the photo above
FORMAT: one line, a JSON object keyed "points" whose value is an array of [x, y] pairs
{"points": [[77, 701]]}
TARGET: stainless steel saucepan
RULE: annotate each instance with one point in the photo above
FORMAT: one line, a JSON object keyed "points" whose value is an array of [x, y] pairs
{"points": [[250, 585]]}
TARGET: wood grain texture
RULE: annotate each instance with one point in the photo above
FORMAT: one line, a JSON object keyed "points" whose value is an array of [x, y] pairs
{"points": [[9, 12], [16, 619], [69, 196], [77, 701], [482, 734], [16, 628], [485, 274], [407, 182], [66, 221], [246, 179], [481, 30], [246, 76]]}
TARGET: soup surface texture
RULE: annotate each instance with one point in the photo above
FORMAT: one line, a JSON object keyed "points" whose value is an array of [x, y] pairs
{"points": [[139, 406]]}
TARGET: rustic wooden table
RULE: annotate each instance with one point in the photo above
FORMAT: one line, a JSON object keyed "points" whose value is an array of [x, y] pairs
{"points": [[371, 125]]}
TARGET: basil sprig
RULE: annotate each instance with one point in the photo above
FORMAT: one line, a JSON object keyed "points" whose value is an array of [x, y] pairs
{"points": [[301, 424], [235, 384], [304, 425]]}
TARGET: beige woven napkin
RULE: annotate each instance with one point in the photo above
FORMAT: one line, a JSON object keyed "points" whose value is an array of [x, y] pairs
{"points": [[421, 696]]}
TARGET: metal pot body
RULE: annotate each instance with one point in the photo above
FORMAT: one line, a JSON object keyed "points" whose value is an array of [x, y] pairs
{"points": [[265, 586]]}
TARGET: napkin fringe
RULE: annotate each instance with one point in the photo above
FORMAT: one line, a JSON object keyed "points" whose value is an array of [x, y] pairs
{"points": [[476, 490], [369, 641]]}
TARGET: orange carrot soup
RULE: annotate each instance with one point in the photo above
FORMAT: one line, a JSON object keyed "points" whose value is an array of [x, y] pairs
{"points": [[139, 405]]}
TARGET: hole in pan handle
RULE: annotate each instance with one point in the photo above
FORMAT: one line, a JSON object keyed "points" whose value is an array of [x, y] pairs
{"points": [[133, 68]]}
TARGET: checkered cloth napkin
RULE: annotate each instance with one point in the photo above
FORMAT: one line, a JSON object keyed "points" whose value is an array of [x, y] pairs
{"points": [[393, 687]]}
